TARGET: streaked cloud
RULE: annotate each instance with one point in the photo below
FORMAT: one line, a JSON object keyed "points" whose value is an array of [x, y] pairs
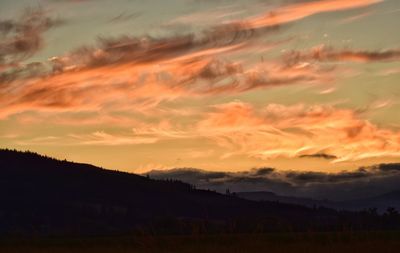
{"points": [[302, 10], [298, 130], [278, 131], [137, 86], [103, 138], [329, 54], [270, 132], [136, 68]]}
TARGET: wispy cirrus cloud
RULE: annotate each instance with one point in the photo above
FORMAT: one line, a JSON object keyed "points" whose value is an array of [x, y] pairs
{"points": [[294, 12], [298, 130], [145, 49], [137, 86], [355, 17], [329, 54], [144, 71], [269, 132], [97, 138], [103, 138]]}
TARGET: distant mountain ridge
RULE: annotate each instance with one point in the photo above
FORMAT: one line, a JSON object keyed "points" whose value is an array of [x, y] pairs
{"points": [[270, 196], [381, 202]]}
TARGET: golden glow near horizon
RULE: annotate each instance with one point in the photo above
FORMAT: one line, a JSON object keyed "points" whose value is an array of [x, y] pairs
{"points": [[230, 86]]}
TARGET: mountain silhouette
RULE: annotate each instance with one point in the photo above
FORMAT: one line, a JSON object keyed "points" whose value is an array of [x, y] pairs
{"points": [[42, 195], [39, 193]]}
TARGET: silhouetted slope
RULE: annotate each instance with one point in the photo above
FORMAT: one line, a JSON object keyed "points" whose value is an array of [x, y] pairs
{"points": [[43, 194]]}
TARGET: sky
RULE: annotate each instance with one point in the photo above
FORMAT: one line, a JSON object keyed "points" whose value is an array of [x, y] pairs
{"points": [[135, 85]]}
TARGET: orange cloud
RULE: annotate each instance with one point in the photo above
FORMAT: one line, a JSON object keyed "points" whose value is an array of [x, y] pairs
{"points": [[88, 89], [143, 86], [299, 11], [127, 49], [141, 72], [103, 138], [283, 131], [268, 132], [298, 130]]}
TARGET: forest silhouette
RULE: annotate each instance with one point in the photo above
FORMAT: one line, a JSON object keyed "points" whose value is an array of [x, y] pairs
{"points": [[44, 196]]}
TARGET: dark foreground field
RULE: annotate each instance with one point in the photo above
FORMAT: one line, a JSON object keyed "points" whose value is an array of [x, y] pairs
{"points": [[381, 242]]}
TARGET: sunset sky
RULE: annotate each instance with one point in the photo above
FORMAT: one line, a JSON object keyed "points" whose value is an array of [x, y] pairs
{"points": [[136, 85]]}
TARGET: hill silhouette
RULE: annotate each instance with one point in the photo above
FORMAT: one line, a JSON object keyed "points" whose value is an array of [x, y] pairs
{"points": [[42, 195]]}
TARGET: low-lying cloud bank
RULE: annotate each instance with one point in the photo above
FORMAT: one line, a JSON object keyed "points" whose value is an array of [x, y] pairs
{"points": [[346, 185]]}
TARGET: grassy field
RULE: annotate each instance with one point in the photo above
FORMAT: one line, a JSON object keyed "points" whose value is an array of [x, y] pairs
{"points": [[305, 242]]}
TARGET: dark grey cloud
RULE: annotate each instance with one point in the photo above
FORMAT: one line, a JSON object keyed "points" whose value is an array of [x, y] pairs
{"points": [[263, 171], [320, 155], [217, 68], [346, 185], [307, 178], [23, 37]]}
